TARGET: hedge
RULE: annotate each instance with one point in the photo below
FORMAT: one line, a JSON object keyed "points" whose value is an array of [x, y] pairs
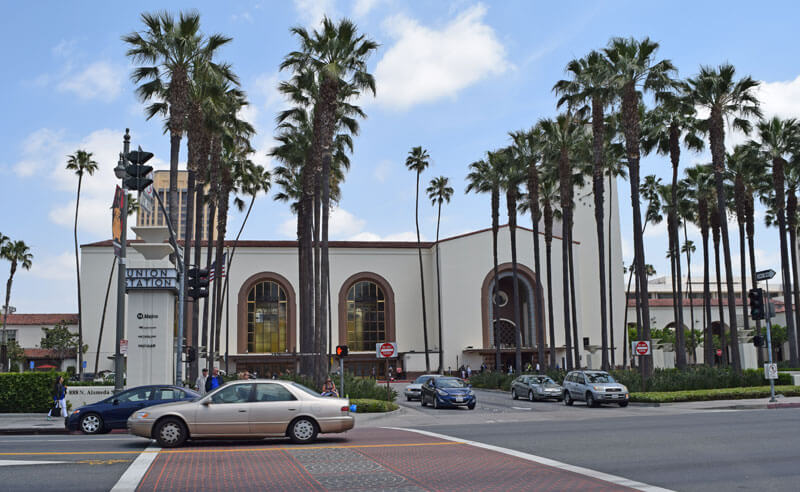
{"points": [[712, 394], [27, 392], [355, 387], [365, 405]]}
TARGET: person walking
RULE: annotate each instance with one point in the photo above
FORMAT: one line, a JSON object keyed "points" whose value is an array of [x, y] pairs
{"points": [[215, 381], [200, 384], [469, 372], [59, 398]]}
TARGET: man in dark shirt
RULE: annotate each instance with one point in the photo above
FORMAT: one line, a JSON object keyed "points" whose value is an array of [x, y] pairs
{"points": [[215, 381]]}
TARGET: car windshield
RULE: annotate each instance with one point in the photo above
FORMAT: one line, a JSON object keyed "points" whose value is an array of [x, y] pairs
{"points": [[422, 379], [600, 378], [450, 383], [543, 380], [307, 390]]}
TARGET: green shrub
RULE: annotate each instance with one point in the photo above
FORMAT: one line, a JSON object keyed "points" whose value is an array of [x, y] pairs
{"points": [[365, 405], [713, 394], [355, 387], [693, 378], [27, 392], [492, 380]]}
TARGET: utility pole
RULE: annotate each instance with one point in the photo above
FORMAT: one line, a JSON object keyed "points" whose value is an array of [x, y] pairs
{"points": [[119, 362]]}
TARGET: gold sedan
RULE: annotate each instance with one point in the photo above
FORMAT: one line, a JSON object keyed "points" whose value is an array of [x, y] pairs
{"points": [[245, 409]]}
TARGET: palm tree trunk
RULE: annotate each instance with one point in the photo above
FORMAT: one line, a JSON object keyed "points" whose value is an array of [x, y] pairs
{"points": [[325, 267], [708, 340], [78, 277], [791, 212], [511, 205], [674, 152], [103, 316], [625, 322], [493, 304], [9, 282], [537, 294], [172, 198], [780, 202], [565, 186], [212, 210], [222, 226], [422, 283], [613, 346], [198, 236], [720, 304], [672, 261], [576, 346], [187, 251], [317, 279], [598, 137], [689, 284], [439, 290], [548, 248]]}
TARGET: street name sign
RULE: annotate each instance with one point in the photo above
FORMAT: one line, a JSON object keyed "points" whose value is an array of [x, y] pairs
{"points": [[386, 350], [641, 347], [765, 274], [770, 371]]}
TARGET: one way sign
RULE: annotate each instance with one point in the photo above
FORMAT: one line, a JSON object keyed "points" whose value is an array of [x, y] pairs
{"points": [[765, 274]]}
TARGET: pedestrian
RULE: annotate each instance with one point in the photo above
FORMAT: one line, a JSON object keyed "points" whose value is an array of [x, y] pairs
{"points": [[215, 381], [528, 367], [511, 369], [537, 367], [469, 371], [200, 384], [390, 374], [463, 372], [373, 372], [399, 373], [59, 398], [483, 367], [244, 375], [329, 388]]}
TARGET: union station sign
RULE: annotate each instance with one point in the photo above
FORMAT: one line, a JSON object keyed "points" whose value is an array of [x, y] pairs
{"points": [[151, 278]]}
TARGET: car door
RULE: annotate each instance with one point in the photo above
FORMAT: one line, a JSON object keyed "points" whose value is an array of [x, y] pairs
{"points": [[225, 412], [569, 384], [580, 386], [427, 390], [272, 409], [125, 404]]}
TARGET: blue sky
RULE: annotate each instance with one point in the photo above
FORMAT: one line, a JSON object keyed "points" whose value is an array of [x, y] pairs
{"points": [[454, 77]]}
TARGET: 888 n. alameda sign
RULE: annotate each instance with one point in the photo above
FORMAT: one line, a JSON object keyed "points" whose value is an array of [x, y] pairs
{"points": [[151, 278]]}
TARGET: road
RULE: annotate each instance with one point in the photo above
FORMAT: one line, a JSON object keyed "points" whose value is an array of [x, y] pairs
{"points": [[671, 447]]}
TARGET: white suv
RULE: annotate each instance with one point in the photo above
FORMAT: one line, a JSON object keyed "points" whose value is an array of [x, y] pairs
{"points": [[594, 387]]}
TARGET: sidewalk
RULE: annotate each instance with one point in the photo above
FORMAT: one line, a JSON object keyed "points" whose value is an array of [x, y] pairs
{"points": [[748, 404], [31, 423]]}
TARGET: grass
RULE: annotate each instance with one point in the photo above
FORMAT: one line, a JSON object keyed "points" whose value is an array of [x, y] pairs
{"points": [[712, 394]]}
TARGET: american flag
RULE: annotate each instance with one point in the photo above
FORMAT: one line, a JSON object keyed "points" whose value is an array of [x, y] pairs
{"points": [[213, 268]]}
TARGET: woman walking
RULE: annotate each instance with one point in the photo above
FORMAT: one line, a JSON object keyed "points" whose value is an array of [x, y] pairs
{"points": [[59, 398]]}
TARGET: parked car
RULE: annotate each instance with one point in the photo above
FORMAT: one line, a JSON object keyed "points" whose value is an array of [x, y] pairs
{"points": [[414, 389], [536, 387], [245, 409], [594, 387], [442, 391], [113, 412]]}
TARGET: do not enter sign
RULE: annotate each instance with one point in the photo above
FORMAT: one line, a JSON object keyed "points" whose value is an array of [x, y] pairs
{"points": [[386, 350], [641, 347]]}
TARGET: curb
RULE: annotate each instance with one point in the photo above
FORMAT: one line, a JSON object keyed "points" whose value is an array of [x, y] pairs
{"points": [[23, 431]]}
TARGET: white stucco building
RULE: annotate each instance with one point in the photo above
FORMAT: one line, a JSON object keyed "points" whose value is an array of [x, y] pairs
{"points": [[375, 297]]}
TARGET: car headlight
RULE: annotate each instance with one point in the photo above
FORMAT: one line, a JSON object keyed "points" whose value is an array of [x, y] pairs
{"points": [[141, 415], [471, 393], [441, 392], [624, 388], [597, 388]]}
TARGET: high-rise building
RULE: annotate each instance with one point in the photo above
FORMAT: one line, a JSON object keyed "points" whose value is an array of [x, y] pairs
{"points": [[161, 186]]}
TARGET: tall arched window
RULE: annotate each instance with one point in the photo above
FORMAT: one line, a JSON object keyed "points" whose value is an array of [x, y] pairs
{"points": [[366, 316], [267, 312]]}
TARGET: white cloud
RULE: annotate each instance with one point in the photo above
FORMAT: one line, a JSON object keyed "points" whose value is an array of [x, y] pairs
{"points": [[363, 7], [100, 80], [36, 151], [59, 267], [345, 226], [64, 48], [382, 170], [312, 11], [780, 98], [426, 64]]}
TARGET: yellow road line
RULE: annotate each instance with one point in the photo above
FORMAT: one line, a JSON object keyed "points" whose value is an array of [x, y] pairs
{"points": [[234, 450]]}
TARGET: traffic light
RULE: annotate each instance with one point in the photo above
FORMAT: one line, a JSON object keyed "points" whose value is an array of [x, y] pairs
{"points": [[756, 297], [197, 279], [135, 170], [758, 341], [191, 355], [341, 350]]}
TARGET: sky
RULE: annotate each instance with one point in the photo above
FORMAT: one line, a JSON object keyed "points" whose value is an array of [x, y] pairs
{"points": [[452, 76]]}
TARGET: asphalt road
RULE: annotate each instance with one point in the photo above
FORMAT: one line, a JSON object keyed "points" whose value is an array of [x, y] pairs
{"points": [[61, 463], [709, 450]]}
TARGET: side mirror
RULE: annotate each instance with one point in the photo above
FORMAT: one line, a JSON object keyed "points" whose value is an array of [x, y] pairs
{"points": [[115, 402], [205, 403]]}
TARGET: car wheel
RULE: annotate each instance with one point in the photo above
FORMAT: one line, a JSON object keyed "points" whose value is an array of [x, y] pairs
{"points": [[568, 399], [435, 403], [408, 398], [531, 395], [91, 423], [513, 394], [170, 433], [471, 406], [623, 404], [303, 430], [422, 401], [590, 400]]}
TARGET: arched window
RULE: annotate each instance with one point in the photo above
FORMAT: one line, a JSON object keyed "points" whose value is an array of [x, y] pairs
{"points": [[366, 316], [267, 313]]}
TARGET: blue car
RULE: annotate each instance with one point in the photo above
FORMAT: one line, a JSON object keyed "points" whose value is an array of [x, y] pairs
{"points": [[443, 391], [113, 412]]}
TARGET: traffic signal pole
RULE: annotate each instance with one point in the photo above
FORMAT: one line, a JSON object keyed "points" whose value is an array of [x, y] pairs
{"points": [[768, 315], [119, 362]]}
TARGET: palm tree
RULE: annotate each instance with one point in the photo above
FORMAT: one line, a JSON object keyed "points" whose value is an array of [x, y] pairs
{"points": [[19, 254], [417, 161], [170, 51], [716, 90], [699, 185], [778, 139], [486, 178], [664, 128], [439, 192], [548, 196], [589, 84], [526, 148], [634, 70], [81, 162], [792, 182]]}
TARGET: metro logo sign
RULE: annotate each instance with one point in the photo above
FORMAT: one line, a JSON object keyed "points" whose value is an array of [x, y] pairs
{"points": [[387, 350]]}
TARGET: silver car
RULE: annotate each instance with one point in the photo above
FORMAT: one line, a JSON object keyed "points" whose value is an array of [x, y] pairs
{"points": [[245, 409], [536, 387], [413, 390], [594, 387]]}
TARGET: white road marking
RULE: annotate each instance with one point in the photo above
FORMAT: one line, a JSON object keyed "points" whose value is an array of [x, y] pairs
{"points": [[622, 481], [133, 475], [20, 462], [71, 439], [522, 408]]}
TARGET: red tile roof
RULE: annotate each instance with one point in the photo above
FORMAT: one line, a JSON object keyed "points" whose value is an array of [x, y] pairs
{"points": [[42, 319], [40, 353]]}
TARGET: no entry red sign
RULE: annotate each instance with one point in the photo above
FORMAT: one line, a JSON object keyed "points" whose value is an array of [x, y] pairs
{"points": [[641, 347], [386, 350]]}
